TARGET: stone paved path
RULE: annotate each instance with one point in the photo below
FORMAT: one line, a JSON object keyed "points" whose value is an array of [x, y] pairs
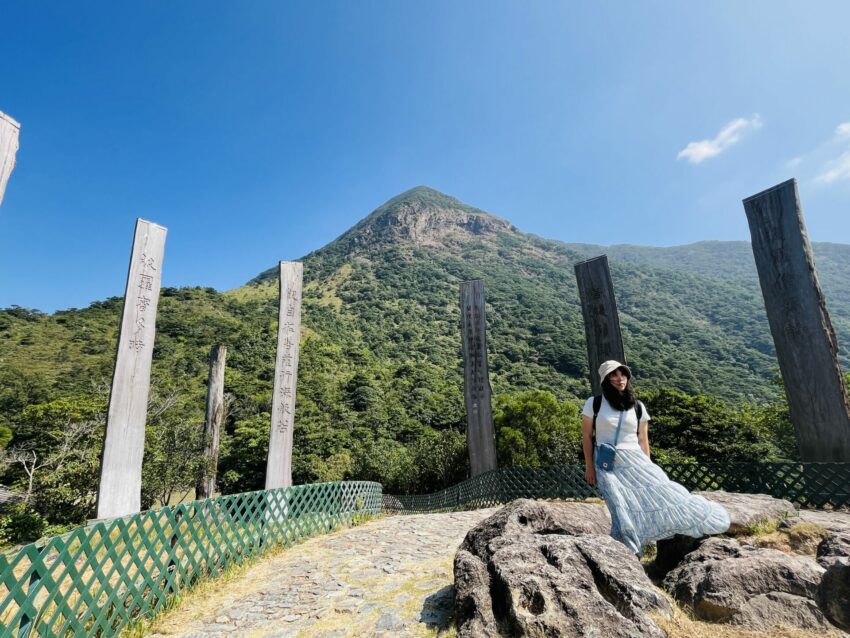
{"points": [[389, 577]]}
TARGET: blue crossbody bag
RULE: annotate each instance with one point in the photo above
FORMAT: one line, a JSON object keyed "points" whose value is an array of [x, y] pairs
{"points": [[607, 453]]}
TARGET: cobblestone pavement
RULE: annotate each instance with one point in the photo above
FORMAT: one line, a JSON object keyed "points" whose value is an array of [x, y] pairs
{"points": [[388, 577]]}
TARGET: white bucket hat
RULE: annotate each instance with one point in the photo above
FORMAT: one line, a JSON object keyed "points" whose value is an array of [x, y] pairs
{"points": [[609, 366]]}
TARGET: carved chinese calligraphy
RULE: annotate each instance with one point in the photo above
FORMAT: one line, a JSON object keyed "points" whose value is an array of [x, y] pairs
{"points": [[476, 382], [212, 422], [9, 131], [279, 465], [119, 492], [802, 331], [601, 321]]}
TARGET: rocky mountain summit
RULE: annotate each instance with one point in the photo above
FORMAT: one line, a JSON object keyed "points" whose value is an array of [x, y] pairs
{"points": [[550, 569], [424, 217]]}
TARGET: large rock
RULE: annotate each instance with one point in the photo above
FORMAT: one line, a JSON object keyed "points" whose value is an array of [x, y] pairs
{"points": [[834, 593], [545, 585], [749, 510], [523, 516], [473, 603], [836, 522], [758, 588], [832, 548]]}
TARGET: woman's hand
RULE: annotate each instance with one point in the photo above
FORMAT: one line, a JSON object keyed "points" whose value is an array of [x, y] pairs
{"points": [[590, 474]]}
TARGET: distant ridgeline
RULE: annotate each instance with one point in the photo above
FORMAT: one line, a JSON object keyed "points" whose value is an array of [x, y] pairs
{"points": [[380, 386]]}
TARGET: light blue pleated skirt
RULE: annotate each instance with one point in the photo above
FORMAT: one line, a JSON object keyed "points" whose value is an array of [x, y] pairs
{"points": [[647, 506]]}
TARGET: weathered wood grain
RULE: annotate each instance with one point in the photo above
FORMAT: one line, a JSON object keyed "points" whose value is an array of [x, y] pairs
{"points": [[799, 322], [119, 491], [212, 422], [279, 464], [601, 320], [476, 380], [9, 144]]}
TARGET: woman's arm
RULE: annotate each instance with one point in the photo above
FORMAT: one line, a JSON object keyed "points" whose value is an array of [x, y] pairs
{"points": [[587, 446], [643, 437]]}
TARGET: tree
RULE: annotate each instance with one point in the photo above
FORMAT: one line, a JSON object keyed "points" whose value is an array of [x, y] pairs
{"points": [[533, 428]]}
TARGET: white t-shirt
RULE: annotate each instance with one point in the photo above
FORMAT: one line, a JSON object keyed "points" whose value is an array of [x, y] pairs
{"points": [[606, 424]]}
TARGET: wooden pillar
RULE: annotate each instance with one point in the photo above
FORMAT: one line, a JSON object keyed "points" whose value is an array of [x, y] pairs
{"points": [[476, 380], [119, 491], [9, 132], [802, 332], [601, 321], [213, 422], [279, 464]]}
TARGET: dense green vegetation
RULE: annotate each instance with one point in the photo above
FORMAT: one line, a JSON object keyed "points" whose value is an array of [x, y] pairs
{"points": [[380, 378]]}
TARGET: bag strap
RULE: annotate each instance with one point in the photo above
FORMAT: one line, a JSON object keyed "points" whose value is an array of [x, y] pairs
{"points": [[597, 405], [619, 425]]}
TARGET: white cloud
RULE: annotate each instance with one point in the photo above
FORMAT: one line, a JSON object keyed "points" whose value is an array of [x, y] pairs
{"points": [[836, 170], [794, 162], [696, 152], [842, 131]]}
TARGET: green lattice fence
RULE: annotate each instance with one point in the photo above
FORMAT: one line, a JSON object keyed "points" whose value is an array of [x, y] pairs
{"points": [[806, 484], [94, 580]]}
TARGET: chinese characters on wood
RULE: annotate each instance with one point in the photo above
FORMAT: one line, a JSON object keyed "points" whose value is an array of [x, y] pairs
{"points": [[476, 382], [802, 331], [279, 465], [119, 491], [601, 321]]}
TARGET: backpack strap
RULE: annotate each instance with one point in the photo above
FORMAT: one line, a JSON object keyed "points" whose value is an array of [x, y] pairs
{"points": [[597, 404]]}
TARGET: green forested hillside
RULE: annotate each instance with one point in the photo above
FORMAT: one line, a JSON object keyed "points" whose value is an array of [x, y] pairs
{"points": [[380, 383]]}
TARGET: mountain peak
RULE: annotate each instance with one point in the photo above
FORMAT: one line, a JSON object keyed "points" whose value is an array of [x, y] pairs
{"points": [[426, 217]]}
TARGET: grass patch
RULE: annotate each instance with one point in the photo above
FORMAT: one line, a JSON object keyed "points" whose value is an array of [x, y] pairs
{"points": [[684, 625], [801, 538]]}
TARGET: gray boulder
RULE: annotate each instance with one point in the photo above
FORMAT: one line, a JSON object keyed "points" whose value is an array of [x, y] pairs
{"points": [[767, 611], [473, 604], [836, 522], [523, 517], [832, 548], [747, 510], [754, 587], [545, 585], [834, 593]]}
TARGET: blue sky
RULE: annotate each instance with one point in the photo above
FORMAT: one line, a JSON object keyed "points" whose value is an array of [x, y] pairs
{"points": [[259, 131]]}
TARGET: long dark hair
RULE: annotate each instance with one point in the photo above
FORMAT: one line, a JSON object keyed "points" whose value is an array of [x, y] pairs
{"points": [[624, 400]]}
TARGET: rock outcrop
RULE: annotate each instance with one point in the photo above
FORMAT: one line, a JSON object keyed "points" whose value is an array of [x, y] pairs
{"points": [[834, 593], [757, 588], [749, 510], [524, 516], [832, 548], [543, 569]]}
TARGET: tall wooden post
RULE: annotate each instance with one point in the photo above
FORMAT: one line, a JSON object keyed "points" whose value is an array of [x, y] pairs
{"points": [[119, 492], [212, 422], [802, 332], [601, 321], [476, 380], [279, 464], [9, 132]]}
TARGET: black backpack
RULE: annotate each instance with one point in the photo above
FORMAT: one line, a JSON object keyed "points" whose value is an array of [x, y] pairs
{"points": [[597, 404]]}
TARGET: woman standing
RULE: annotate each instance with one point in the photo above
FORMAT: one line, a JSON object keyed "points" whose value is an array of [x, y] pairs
{"points": [[645, 505]]}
